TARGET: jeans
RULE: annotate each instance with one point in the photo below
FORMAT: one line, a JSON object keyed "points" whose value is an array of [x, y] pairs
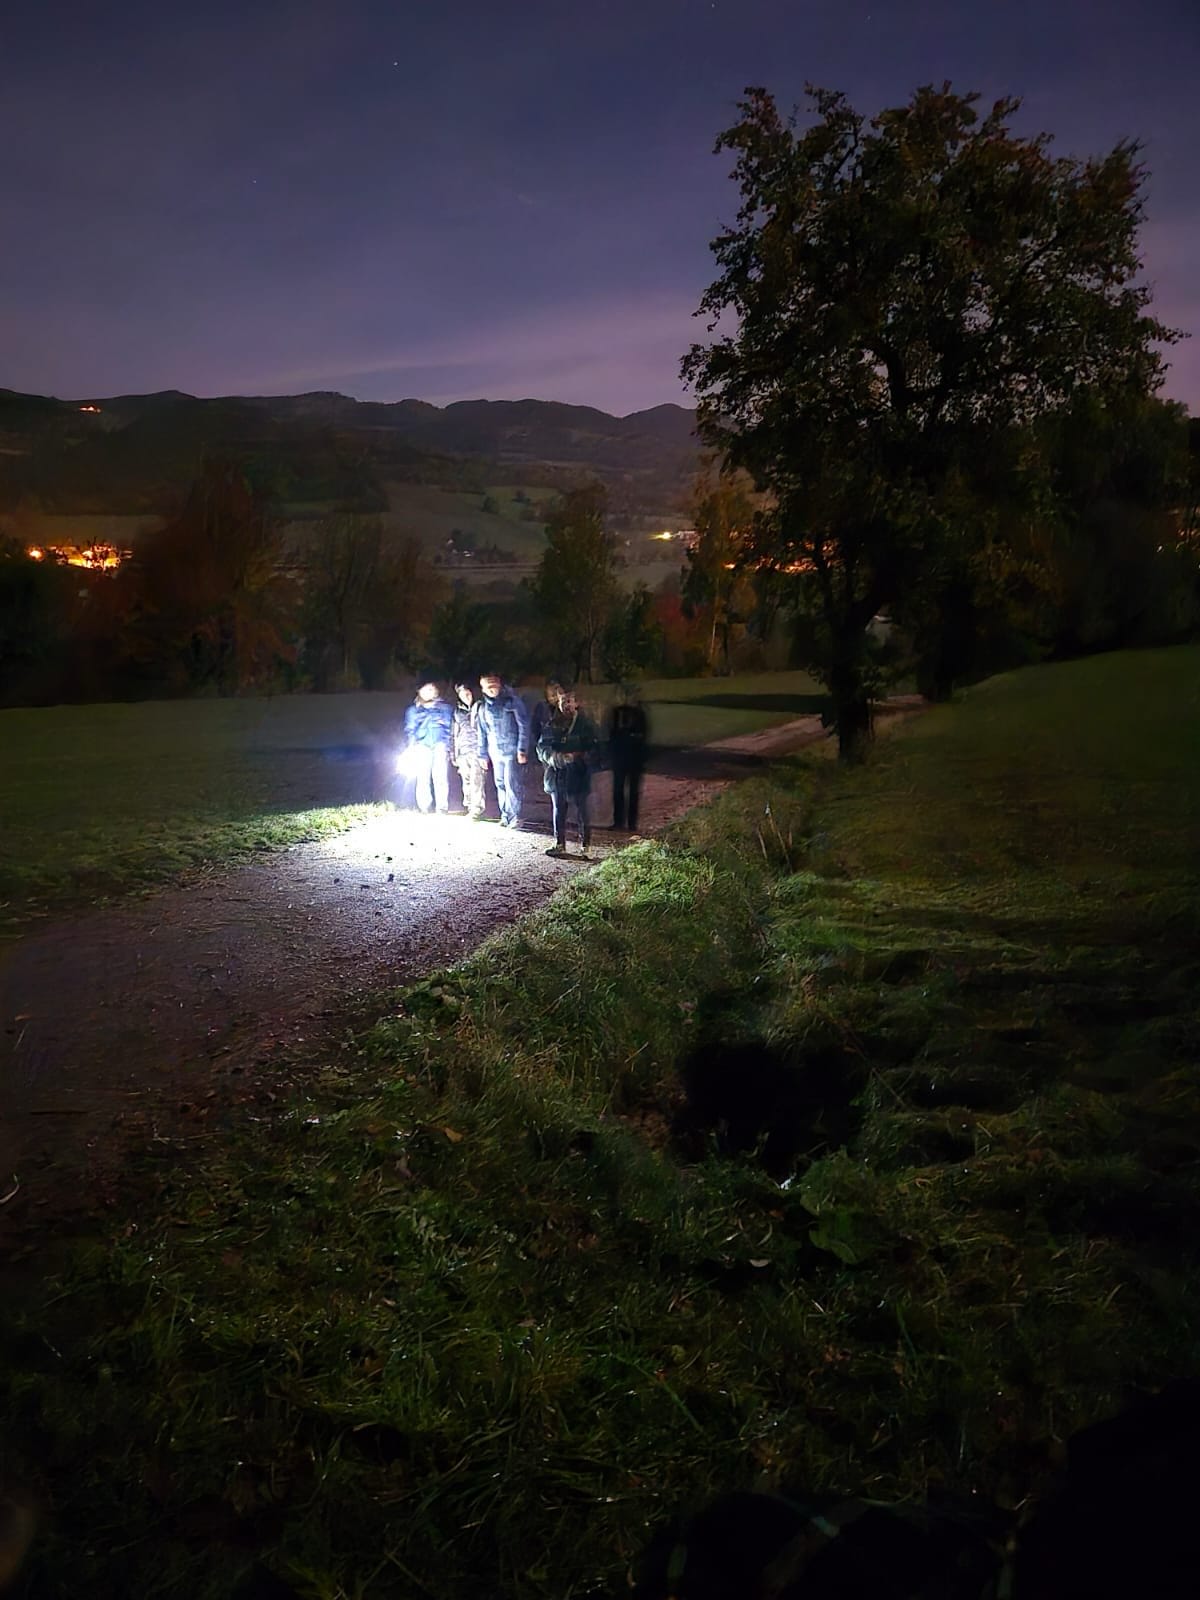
{"points": [[560, 804], [432, 764], [510, 786]]}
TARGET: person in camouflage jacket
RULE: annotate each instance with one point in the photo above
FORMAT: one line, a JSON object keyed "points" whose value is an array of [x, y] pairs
{"points": [[464, 749]]}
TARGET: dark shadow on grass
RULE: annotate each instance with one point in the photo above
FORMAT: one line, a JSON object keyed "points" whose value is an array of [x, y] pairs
{"points": [[782, 1104]]}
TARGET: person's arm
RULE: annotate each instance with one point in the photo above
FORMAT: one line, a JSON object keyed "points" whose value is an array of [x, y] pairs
{"points": [[522, 716]]}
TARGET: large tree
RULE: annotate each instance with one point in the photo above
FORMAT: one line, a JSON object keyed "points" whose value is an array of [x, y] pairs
{"points": [[575, 589], [901, 299]]}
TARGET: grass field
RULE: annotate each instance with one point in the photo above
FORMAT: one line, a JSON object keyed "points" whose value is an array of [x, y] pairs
{"points": [[492, 1302], [95, 800], [431, 515]]}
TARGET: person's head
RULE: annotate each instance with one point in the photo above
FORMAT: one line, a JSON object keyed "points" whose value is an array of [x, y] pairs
{"points": [[465, 693], [554, 691], [491, 683], [427, 693], [568, 702]]}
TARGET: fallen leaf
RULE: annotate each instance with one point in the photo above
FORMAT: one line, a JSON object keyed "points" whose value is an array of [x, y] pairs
{"points": [[453, 1136]]}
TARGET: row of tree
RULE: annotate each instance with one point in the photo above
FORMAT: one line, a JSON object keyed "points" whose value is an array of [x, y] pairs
{"points": [[938, 402], [217, 602]]}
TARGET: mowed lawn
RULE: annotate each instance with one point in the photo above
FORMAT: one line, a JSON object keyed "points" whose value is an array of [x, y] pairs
{"points": [[495, 1299], [95, 800]]}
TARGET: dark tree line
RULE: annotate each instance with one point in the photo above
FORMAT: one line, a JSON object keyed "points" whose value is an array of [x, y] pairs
{"points": [[929, 310], [217, 601]]}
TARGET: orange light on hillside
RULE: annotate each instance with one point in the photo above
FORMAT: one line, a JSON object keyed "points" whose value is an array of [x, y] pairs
{"points": [[97, 558], [94, 410], [94, 557]]}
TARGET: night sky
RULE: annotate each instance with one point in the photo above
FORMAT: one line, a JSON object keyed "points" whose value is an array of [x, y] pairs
{"points": [[481, 197]]}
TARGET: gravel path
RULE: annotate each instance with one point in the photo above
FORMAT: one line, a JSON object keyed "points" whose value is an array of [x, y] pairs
{"points": [[134, 1022]]}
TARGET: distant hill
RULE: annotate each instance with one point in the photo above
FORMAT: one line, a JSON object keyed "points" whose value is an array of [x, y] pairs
{"points": [[516, 431], [133, 453]]}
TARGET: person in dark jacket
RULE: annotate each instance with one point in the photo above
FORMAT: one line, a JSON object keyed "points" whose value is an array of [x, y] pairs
{"points": [[427, 727], [567, 751], [626, 735], [464, 749], [544, 712], [504, 742]]}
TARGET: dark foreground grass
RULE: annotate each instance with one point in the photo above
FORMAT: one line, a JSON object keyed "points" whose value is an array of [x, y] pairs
{"points": [[100, 800], [474, 1317]]}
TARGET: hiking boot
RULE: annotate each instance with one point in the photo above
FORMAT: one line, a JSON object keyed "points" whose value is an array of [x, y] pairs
{"points": [[557, 850]]}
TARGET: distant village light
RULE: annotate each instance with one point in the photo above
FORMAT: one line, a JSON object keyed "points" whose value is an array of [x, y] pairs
{"points": [[95, 557], [95, 410]]}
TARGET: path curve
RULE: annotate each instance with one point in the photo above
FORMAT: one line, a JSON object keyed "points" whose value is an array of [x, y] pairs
{"points": [[126, 1024]]}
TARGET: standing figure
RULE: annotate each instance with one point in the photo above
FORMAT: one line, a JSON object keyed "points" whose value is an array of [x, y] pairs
{"points": [[566, 750], [504, 741], [544, 712], [464, 749], [427, 727], [627, 733]]}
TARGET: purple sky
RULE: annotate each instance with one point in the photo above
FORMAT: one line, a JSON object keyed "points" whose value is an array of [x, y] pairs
{"points": [[454, 198]]}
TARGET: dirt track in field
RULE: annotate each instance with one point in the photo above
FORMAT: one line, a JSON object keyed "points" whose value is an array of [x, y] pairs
{"points": [[149, 1020]]}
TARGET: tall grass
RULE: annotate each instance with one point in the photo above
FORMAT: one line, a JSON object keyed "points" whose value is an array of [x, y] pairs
{"points": [[486, 1307]]}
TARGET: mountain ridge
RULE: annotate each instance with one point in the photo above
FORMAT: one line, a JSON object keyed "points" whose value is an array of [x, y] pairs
{"points": [[145, 446]]}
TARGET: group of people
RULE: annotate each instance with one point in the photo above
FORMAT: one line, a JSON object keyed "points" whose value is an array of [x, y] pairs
{"points": [[494, 731]]}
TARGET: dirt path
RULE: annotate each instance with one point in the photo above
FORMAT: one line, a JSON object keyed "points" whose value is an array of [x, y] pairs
{"points": [[140, 1021]]}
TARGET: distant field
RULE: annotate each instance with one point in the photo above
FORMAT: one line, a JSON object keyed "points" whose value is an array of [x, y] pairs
{"points": [[691, 711], [95, 800], [432, 515]]}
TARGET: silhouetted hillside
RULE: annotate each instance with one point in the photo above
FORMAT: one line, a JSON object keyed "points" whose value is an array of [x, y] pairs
{"points": [[656, 445], [134, 453]]}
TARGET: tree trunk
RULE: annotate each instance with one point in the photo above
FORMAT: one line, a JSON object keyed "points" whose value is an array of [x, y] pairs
{"points": [[851, 701]]}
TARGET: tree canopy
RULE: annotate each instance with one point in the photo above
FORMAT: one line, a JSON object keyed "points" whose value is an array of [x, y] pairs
{"points": [[575, 590], [905, 298]]}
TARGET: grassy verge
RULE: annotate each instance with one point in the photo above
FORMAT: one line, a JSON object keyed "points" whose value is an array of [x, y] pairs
{"points": [[100, 800], [492, 1302]]}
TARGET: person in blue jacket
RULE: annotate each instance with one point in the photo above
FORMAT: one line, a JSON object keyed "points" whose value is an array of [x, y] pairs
{"points": [[504, 742], [427, 727]]}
